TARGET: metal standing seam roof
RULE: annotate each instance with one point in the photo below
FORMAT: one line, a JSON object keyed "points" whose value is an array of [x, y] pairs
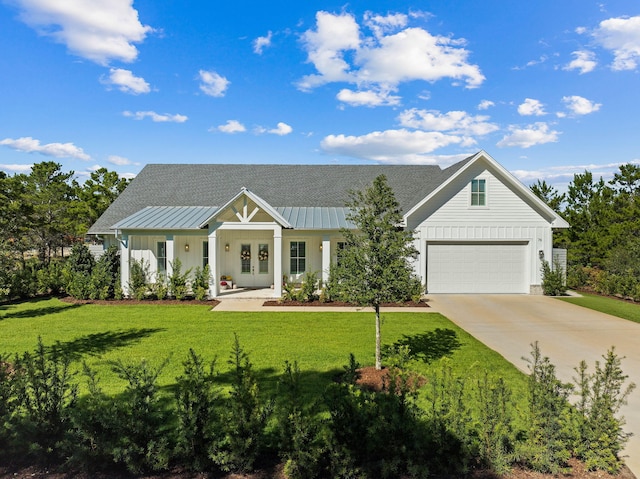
{"points": [[192, 218], [167, 218], [315, 217]]}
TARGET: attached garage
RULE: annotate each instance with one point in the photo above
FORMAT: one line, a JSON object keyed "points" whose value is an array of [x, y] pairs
{"points": [[477, 267]]}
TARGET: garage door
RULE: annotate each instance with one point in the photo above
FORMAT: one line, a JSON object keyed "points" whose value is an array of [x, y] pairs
{"points": [[476, 268]]}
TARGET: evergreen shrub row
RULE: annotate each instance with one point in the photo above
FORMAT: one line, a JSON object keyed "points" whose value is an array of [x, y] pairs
{"points": [[448, 424]]}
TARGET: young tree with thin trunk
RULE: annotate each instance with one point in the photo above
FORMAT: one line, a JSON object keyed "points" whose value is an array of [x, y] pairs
{"points": [[375, 265]]}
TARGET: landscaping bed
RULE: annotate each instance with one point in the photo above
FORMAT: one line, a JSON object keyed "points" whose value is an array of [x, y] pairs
{"points": [[136, 302], [578, 471], [407, 304]]}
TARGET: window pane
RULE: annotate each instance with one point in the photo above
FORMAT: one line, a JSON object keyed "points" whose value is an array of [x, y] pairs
{"points": [[245, 258], [205, 253], [263, 258], [301, 249], [161, 257]]}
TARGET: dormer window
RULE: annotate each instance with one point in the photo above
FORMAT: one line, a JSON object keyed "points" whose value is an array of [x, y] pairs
{"points": [[478, 192]]}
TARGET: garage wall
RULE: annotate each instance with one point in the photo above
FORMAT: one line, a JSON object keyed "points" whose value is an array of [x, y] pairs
{"points": [[507, 218]]}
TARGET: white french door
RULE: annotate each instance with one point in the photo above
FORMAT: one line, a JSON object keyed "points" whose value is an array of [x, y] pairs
{"points": [[255, 264]]}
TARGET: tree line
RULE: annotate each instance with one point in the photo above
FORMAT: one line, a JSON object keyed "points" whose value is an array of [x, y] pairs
{"points": [[603, 242], [42, 213]]}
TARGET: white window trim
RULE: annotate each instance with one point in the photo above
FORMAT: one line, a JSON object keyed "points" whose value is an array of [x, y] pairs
{"points": [[486, 194]]}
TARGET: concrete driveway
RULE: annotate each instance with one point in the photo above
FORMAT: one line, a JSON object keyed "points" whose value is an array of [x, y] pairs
{"points": [[566, 333]]}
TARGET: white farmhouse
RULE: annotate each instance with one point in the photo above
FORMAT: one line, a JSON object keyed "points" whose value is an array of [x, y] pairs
{"points": [[477, 228]]}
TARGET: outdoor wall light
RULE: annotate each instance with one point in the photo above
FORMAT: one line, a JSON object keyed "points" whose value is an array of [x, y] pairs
{"points": [[541, 254], [320, 246], [186, 247], [226, 247]]}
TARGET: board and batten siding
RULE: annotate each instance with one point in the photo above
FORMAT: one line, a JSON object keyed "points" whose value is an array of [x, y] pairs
{"points": [[507, 217], [503, 205]]}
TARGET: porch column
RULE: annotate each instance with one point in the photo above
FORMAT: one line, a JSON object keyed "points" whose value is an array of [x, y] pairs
{"points": [[214, 279], [277, 261], [124, 264], [170, 255], [326, 259], [422, 259]]}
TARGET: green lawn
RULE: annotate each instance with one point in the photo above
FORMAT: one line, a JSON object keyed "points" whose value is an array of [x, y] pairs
{"points": [[319, 341], [615, 307]]}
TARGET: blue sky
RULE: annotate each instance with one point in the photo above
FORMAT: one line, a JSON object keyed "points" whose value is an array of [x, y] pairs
{"points": [[548, 88]]}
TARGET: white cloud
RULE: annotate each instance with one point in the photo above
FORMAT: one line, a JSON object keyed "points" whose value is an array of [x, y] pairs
{"points": [[334, 35], [261, 43], [98, 30], [340, 52], [584, 61], [455, 122], [57, 150], [381, 24], [156, 117], [579, 105], [367, 98], [485, 104], [391, 146], [127, 82], [622, 36], [213, 84], [281, 129], [531, 135], [120, 161], [15, 168], [231, 126], [531, 107]]}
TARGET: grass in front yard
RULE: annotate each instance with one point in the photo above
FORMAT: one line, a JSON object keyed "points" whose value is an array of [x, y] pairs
{"points": [[615, 307], [319, 341]]}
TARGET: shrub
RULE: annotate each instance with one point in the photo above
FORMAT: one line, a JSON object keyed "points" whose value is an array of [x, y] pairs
{"points": [[178, 281], [309, 288], [51, 278], [46, 395], [95, 426], [109, 262], [577, 277], [547, 446], [601, 438], [100, 282], [143, 435], [553, 283], [301, 444], [198, 422], [201, 279], [159, 288], [244, 419], [139, 279], [80, 260], [496, 438]]}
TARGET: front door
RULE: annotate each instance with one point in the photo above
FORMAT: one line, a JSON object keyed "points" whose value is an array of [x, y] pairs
{"points": [[255, 265]]}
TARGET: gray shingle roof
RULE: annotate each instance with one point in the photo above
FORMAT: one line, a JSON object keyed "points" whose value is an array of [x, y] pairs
{"points": [[308, 186]]}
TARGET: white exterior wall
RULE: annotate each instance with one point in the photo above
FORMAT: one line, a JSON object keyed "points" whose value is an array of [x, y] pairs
{"points": [[506, 217], [143, 247], [318, 260]]}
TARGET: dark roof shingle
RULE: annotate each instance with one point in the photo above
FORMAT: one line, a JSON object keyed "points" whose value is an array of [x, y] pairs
{"points": [[279, 185]]}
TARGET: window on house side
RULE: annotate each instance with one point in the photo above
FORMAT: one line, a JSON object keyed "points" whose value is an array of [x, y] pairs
{"points": [[161, 257], [298, 260], [478, 192], [205, 254], [339, 250]]}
